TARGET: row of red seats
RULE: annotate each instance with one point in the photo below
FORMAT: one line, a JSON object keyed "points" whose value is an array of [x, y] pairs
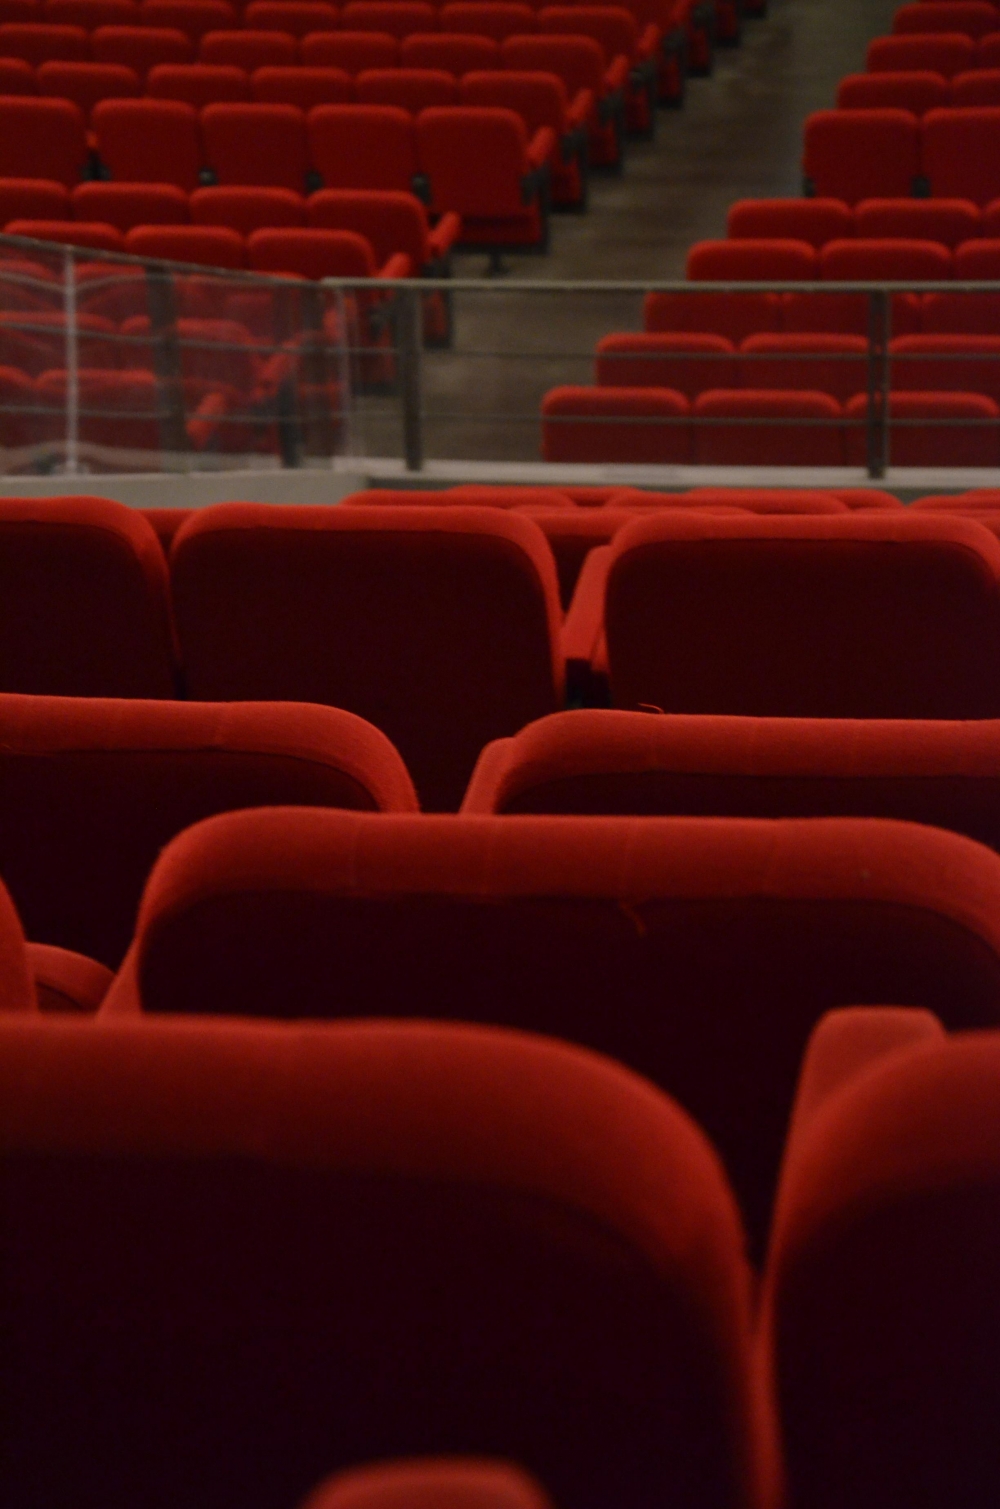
{"points": [[576, 1312], [454, 622], [764, 427], [891, 153], [947, 53], [973, 18], [819, 220], [919, 90]]}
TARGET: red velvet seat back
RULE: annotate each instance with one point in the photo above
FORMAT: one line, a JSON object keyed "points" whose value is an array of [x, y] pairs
{"points": [[83, 588], [806, 617], [252, 1263], [440, 627]]}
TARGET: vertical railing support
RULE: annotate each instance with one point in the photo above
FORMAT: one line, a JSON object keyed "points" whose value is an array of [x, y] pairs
{"points": [[72, 364], [167, 365], [409, 341], [877, 413]]}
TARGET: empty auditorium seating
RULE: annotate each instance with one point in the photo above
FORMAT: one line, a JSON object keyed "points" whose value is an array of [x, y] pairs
{"points": [[751, 259], [37, 43], [757, 427], [815, 221], [709, 928], [917, 90], [580, 63], [412, 89], [363, 147], [42, 138], [69, 233], [481, 164], [601, 1306], [795, 617], [448, 1482], [141, 47], [960, 150], [34, 199], [616, 424], [946, 363], [880, 1303], [150, 141], [498, 19], [596, 761], [296, 17], [192, 17], [399, 18], [92, 790], [630, 60], [541, 100], [199, 83], [688, 363], [944, 53], [390, 222], [248, 49], [316, 253], [245, 210], [256, 144], [452, 622], [949, 221], [830, 363], [931, 429], [352, 51], [127, 204], [85, 84], [865, 154], [303, 87], [975, 18], [455, 53], [85, 600], [204, 245]]}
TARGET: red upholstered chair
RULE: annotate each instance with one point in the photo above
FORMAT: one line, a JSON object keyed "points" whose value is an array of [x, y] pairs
{"points": [[16, 77], [150, 141], [601, 1305], [730, 315], [92, 13], [201, 245], [976, 18], [946, 364], [541, 99], [960, 150], [86, 84], [96, 236], [751, 260], [498, 19], [688, 363], [261, 145], [630, 56], [987, 54], [980, 86], [400, 18], [296, 17], [630, 425], [863, 154], [248, 49], [455, 53], [813, 220], [949, 221], [932, 429], [390, 221], [481, 164], [129, 204], [350, 50], [946, 53], [92, 789], [709, 929], [451, 620], [412, 89], [303, 87], [917, 90], [246, 210], [598, 761], [796, 617], [118, 411], [195, 18], [761, 427], [312, 253], [42, 138], [431, 1483], [199, 83], [881, 1311], [37, 977], [141, 47], [34, 199], [84, 588], [35, 340], [860, 260], [581, 64], [831, 363], [36, 43], [363, 146]]}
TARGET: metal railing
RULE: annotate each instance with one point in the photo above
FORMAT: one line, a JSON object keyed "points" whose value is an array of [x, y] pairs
{"points": [[113, 363]]}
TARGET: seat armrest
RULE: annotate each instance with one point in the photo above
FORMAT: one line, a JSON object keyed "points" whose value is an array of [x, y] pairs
{"points": [[542, 148], [444, 235], [581, 110], [585, 618], [398, 266], [616, 77], [649, 41], [480, 794], [67, 981]]}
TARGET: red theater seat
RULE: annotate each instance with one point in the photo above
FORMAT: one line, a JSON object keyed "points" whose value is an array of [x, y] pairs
{"points": [[932, 429], [630, 425], [949, 221], [797, 616], [581, 64], [91, 14], [92, 790], [752, 260], [85, 594], [316, 253], [759, 927], [248, 49], [86, 84], [35, 340], [245, 210], [452, 622], [498, 19], [976, 18], [195, 18], [16, 77], [834, 364], [96, 236], [201, 245], [363, 146], [755, 427], [631, 61], [730, 315], [390, 222], [815, 221], [141, 47], [150, 141], [35, 199], [352, 51], [400, 18], [412, 89], [481, 164], [863, 154], [541, 99], [303, 87], [296, 17], [42, 139], [471, 1219], [979, 87], [916, 90], [688, 363], [418, 1483], [457, 54], [946, 53], [128, 204], [259, 145], [37, 43], [17, 986], [199, 84], [880, 1306], [961, 150], [946, 364]]}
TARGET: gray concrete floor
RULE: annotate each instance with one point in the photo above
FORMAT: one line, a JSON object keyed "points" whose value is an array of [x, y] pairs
{"points": [[738, 135]]}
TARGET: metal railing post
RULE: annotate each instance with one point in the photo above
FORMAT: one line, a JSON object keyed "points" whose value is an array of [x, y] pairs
{"points": [[409, 341], [877, 411], [72, 364], [167, 365]]}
